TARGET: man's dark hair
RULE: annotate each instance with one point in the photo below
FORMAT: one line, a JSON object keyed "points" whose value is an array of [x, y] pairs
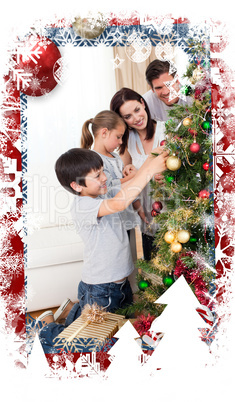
{"points": [[155, 69], [74, 165]]}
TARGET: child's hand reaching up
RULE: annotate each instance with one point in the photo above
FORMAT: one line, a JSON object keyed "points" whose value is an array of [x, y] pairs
{"points": [[159, 162], [129, 169]]}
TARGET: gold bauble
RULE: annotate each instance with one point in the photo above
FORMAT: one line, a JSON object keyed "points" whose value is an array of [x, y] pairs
{"points": [[183, 236], [176, 247], [169, 237], [91, 26], [187, 122], [173, 163], [198, 74]]}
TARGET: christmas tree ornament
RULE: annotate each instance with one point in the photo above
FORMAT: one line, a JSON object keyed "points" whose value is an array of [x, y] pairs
{"points": [[168, 280], [195, 147], [162, 143], [154, 213], [183, 236], [169, 237], [143, 284], [206, 125], [203, 194], [173, 163], [187, 122], [169, 122], [176, 247], [206, 166], [193, 239], [176, 138], [37, 63], [91, 26], [198, 75], [169, 179], [157, 206], [186, 90], [193, 132]]}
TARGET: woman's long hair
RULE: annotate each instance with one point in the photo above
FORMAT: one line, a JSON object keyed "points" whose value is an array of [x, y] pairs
{"points": [[125, 95]]}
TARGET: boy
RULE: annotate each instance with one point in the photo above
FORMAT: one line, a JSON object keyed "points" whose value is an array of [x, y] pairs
{"points": [[107, 255]]}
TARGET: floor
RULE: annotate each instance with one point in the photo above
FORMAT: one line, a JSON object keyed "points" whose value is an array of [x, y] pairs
{"points": [[36, 314]]}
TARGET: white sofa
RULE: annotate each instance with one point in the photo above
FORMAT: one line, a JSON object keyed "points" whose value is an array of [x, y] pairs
{"points": [[54, 263], [53, 271]]}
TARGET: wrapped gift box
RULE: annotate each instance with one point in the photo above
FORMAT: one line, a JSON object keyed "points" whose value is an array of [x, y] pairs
{"points": [[92, 337]]}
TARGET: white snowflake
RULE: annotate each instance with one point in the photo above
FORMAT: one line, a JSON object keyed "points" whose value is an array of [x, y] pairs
{"points": [[174, 93], [66, 36], [8, 125], [138, 47], [163, 25], [220, 112], [164, 51], [8, 100], [118, 36], [117, 62], [30, 48]]}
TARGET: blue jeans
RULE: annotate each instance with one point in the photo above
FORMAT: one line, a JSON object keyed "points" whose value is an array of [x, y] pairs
{"points": [[52, 330], [111, 296]]}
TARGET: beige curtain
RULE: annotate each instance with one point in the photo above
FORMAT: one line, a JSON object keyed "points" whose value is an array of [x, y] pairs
{"points": [[129, 73]]}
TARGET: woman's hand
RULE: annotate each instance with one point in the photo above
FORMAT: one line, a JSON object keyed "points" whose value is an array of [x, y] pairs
{"points": [[159, 178], [158, 150]]}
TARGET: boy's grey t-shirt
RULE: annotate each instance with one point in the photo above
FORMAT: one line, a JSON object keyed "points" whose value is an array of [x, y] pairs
{"points": [[107, 254], [113, 170]]}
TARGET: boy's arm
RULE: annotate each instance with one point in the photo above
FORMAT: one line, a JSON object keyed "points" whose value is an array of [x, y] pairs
{"points": [[131, 189]]}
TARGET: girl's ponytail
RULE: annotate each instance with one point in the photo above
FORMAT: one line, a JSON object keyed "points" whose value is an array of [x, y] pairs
{"points": [[105, 119], [86, 138]]}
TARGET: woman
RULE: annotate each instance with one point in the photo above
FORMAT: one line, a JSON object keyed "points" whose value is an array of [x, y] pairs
{"points": [[141, 137]]}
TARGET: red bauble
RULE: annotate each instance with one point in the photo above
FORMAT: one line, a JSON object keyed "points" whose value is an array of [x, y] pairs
{"points": [[154, 213], [194, 147], [203, 194], [157, 206], [162, 143], [37, 62], [193, 132], [206, 166]]}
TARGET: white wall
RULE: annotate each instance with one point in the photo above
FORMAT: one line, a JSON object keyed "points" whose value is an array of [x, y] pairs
{"points": [[55, 122], [55, 251]]}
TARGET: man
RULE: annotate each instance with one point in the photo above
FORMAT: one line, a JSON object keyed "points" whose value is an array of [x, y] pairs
{"points": [[164, 92]]}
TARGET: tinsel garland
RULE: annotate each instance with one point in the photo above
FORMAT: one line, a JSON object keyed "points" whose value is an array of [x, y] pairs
{"points": [[193, 277], [143, 324]]}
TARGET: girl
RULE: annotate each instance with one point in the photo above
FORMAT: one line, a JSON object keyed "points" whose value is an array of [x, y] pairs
{"points": [[108, 129], [141, 137]]}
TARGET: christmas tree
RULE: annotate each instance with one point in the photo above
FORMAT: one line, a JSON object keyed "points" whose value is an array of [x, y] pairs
{"points": [[185, 241]]}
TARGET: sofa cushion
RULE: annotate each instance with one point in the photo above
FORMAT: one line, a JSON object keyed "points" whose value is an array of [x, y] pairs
{"points": [[53, 246]]}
